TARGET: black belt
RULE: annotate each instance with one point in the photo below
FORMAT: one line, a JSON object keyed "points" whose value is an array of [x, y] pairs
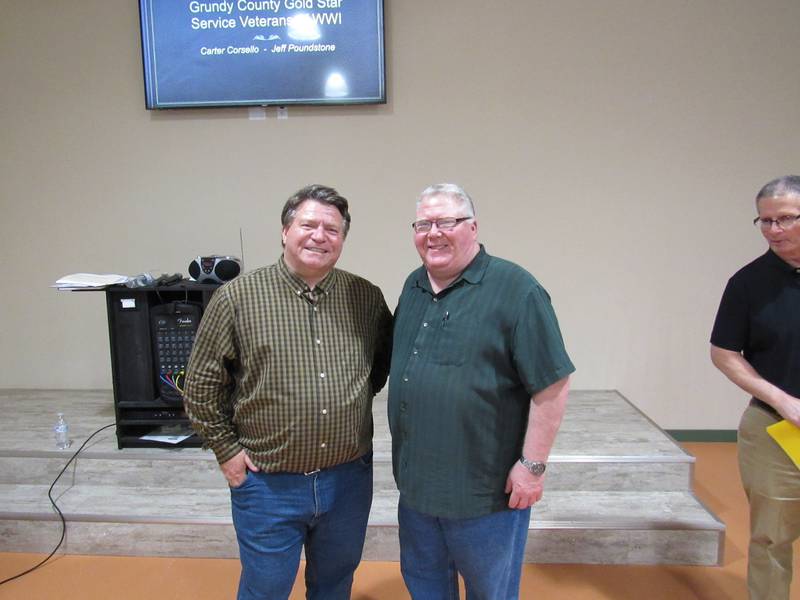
{"points": [[765, 407]]}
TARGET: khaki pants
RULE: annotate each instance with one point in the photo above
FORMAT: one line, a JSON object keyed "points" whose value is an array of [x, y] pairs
{"points": [[772, 484]]}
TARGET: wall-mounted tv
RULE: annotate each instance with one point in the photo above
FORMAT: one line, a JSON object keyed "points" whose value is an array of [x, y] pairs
{"points": [[262, 52]]}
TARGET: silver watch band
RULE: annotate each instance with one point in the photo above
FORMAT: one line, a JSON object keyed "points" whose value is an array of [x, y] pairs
{"points": [[534, 466]]}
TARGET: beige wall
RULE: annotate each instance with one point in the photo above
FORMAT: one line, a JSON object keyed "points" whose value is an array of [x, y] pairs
{"points": [[613, 148]]}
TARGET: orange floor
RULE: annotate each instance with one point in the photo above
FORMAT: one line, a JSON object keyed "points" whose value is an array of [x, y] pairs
{"points": [[717, 485]]}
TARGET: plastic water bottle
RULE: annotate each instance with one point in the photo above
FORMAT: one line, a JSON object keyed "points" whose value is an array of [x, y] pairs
{"points": [[61, 430]]}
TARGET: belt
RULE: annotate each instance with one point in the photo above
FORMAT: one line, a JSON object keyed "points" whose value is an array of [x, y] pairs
{"points": [[765, 407], [318, 470]]}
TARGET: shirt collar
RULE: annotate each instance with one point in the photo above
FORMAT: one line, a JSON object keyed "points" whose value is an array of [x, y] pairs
{"points": [[301, 287], [477, 268], [777, 262], [473, 274]]}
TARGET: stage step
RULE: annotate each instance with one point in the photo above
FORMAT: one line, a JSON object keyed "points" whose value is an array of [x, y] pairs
{"points": [[567, 527], [618, 490]]}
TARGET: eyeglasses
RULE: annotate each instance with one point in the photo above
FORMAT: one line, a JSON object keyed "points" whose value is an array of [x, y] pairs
{"points": [[782, 222], [445, 224]]}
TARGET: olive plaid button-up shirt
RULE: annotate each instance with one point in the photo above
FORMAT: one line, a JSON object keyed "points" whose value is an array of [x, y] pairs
{"points": [[288, 373]]}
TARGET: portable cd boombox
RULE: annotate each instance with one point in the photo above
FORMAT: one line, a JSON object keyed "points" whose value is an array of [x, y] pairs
{"points": [[214, 269]]}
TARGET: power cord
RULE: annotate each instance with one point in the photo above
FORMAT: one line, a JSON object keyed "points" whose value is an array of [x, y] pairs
{"points": [[58, 510]]}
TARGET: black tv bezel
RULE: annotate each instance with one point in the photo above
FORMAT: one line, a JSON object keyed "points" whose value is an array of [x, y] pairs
{"points": [[264, 102]]}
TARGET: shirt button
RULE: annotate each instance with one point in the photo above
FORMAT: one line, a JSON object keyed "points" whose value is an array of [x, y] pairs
{"points": [[324, 411], [416, 351], [322, 375], [435, 299], [425, 324], [315, 309], [323, 445], [405, 378], [319, 342]]}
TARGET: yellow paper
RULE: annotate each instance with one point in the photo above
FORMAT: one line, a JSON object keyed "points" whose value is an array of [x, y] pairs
{"points": [[788, 437]]}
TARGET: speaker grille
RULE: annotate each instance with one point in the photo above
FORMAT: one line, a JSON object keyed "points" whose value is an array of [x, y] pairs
{"points": [[226, 269]]}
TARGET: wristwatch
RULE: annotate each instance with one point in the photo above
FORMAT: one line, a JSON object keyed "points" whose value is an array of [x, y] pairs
{"points": [[535, 467]]}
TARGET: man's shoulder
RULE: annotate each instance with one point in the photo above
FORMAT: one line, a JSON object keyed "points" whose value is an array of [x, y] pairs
{"points": [[412, 278], [755, 268], [247, 284], [510, 272], [353, 281], [250, 278]]}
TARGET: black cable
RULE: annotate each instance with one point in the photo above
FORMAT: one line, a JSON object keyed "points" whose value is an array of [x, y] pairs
{"points": [[58, 510]]}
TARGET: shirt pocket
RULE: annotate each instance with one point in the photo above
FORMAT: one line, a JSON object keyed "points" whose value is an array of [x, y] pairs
{"points": [[450, 344]]}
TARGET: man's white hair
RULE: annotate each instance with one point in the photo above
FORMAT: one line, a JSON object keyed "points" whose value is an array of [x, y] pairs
{"points": [[451, 190]]}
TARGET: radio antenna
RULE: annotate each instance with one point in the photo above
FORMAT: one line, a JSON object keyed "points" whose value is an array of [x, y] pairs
{"points": [[241, 246]]}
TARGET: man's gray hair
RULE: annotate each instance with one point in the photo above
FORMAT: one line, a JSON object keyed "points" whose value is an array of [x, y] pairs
{"points": [[451, 190], [789, 185]]}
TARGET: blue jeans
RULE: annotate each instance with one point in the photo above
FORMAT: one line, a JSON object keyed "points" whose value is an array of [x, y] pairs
{"points": [[277, 514], [487, 551]]}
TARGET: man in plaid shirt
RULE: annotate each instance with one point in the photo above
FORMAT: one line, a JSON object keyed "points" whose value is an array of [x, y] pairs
{"points": [[280, 384]]}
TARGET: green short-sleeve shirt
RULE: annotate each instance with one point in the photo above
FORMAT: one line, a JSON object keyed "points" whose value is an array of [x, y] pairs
{"points": [[465, 363]]}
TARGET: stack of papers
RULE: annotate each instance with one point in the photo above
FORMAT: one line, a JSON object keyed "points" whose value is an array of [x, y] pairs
{"points": [[788, 437], [169, 434], [89, 281]]}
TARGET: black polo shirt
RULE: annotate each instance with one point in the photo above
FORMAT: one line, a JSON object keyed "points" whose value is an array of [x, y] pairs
{"points": [[465, 364], [759, 316]]}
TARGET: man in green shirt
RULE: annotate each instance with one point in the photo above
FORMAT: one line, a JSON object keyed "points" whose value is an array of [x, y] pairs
{"points": [[478, 386], [280, 384]]}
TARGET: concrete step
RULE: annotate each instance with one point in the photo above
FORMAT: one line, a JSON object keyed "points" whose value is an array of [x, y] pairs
{"points": [[604, 444], [638, 473], [566, 527], [618, 489]]}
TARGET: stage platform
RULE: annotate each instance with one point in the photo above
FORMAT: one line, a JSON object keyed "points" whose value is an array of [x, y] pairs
{"points": [[618, 491]]}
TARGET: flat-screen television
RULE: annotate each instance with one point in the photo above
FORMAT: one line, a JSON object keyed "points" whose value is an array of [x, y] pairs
{"points": [[262, 52]]}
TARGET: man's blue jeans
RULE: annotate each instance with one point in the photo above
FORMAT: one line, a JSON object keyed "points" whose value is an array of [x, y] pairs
{"points": [[276, 514], [487, 551]]}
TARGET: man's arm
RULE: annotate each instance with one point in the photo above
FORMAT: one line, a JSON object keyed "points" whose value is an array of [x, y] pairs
{"points": [[736, 368], [383, 347], [547, 409], [208, 387]]}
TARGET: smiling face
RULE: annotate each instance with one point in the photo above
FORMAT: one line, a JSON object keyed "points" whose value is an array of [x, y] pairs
{"points": [[445, 253], [312, 242], [783, 242]]}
